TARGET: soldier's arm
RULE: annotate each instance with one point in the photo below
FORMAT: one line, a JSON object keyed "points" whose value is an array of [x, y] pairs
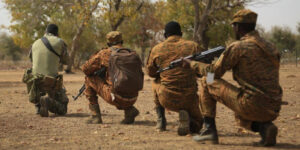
{"points": [[226, 61], [151, 66], [64, 59], [91, 65]]}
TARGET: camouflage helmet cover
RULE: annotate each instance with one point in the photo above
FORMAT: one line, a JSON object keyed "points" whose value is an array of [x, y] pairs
{"points": [[114, 37]]}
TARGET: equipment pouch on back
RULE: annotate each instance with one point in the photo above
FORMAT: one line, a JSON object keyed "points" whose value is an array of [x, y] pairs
{"points": [[125, 72]]}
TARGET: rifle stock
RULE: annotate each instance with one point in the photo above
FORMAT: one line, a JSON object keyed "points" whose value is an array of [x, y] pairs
{"points": [[206, 57]]}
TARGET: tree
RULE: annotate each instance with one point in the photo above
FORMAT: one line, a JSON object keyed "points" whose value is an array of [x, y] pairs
{"points": [[116, 11], [283, 38], [213, 12], [85, 9], [8, 49], [138, 31]]}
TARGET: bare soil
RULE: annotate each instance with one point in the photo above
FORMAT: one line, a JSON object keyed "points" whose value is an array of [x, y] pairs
{"points": [[21, 128]]}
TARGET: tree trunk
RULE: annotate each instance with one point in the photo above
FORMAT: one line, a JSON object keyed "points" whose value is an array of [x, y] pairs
{"points": [[74, 47], [201, 24], [77, 37]]}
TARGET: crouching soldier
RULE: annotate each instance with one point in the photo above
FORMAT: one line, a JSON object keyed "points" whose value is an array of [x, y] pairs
{"points": [[255, 66], [175, 89], [118, 82], [44, 84]]}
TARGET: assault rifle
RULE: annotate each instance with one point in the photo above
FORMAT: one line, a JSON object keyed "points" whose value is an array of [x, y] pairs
{"points": [[206, 57], [100, 73]]}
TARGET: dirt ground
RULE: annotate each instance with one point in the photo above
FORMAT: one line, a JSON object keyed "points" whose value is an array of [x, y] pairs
{"points": [[21, 128]]}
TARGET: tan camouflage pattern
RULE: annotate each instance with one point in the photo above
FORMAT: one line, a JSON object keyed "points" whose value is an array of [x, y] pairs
{"points": [[174, 89], [96, 85], [244, 16], [114, 36], [255, 66]]}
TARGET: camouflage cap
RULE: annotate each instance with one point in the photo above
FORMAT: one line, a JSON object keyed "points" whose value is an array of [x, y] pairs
{"points": [[114, 37], [244, 16]]}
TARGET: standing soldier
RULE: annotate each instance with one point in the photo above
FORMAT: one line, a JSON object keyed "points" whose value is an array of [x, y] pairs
{"points": [[255, 66], [46, 55], [175, 89], [108, 85]]}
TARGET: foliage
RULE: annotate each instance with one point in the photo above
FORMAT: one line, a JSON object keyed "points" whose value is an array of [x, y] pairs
{"points": [[283, 38], [8, 49]]}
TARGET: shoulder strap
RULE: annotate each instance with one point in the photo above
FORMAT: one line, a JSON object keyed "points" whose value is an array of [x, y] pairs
{"points": [[119, 49], [48, 45]]}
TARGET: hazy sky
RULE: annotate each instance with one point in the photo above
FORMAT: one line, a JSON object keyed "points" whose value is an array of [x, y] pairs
{"points": [[278, 12]]}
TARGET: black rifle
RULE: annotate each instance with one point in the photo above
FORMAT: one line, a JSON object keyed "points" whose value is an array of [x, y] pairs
{"points": [[206, 57], [100, 73]]}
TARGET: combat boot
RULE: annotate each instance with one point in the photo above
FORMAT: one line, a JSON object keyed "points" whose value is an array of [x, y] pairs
{"points": [[161, 119], [37, 108], [184, 123], [44, 108], [96, 114], [268, 132], [209, 135], [130, 115], [195, 126]]}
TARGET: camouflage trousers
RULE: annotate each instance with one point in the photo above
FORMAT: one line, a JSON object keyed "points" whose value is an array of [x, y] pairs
{"points": [[177, 100], [39, 85], [247, 107], [58, 101], [95, 85], [54, 89]]}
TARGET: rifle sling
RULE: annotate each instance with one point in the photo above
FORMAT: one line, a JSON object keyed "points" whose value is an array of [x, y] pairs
{"points": [[49, 47]]}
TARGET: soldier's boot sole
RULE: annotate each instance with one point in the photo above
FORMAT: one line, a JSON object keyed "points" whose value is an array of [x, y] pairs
{"points": [[44, 107], [94, 120], [270, 135], [184, 123], [206, 139]]}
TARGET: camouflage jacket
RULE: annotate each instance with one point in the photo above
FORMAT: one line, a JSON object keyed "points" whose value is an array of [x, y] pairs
{"points": [[98, 60], [162, 54], [254, 63]]}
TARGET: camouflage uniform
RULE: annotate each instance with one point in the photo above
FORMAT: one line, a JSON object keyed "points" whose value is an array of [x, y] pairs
{"points": [[96, 85], [255, 66], [174, 89], [43, 79]]}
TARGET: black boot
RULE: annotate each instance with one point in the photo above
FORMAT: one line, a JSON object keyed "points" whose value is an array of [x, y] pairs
{"points": [[268, 132], [96, 114], [195, 126], [184, 123], [37, 108], [161, 118], [130, 115], [45, 102], [209, 135]]}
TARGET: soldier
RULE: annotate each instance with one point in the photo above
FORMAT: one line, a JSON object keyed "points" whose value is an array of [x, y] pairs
{"points": [[43, 79], [104, 86], [255, 66], [175, 89]]}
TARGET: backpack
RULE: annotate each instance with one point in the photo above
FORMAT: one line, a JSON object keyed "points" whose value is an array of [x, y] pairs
{"points": [[125, 72]]}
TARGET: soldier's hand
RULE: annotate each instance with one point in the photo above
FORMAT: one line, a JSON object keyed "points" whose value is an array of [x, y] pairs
{"points": [[186, 63]]}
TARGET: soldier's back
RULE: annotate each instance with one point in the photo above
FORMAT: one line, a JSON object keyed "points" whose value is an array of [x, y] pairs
{"points": [[174, 48]]}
